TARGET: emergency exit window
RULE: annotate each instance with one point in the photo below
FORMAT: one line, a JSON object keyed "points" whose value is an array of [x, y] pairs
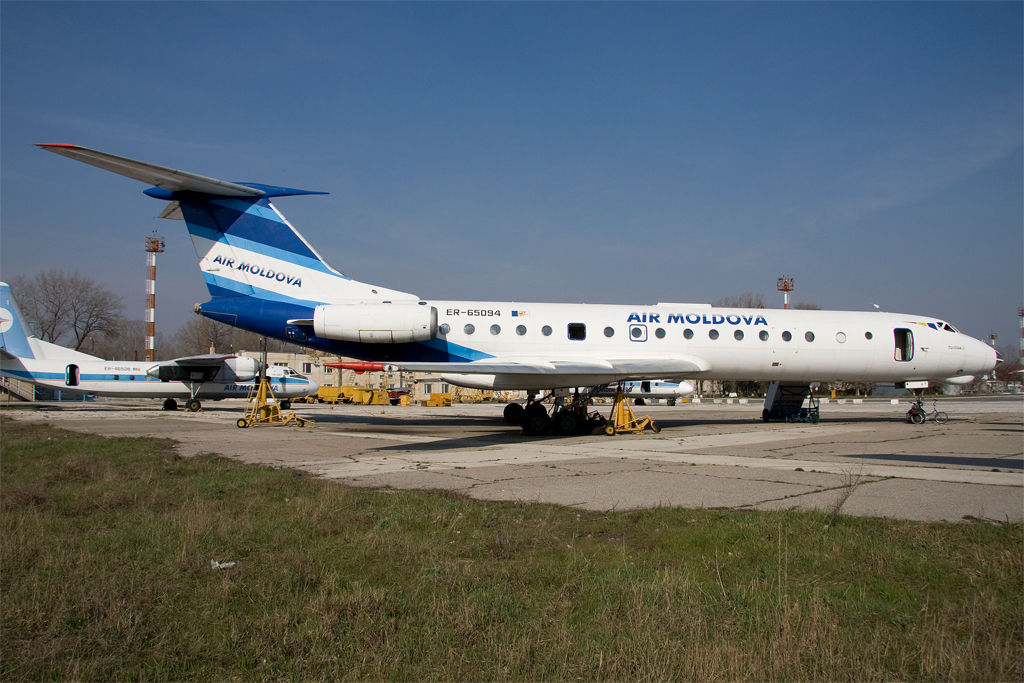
{"points": [[577, 331]]}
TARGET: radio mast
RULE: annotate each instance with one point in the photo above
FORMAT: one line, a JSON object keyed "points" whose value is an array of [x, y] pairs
{"points": [[154, 245]]}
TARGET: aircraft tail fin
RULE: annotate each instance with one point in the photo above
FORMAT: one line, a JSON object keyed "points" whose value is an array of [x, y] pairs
{"points": [[13, 330], [245, 246]]}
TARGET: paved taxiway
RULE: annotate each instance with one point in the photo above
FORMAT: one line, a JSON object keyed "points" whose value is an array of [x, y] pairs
{"points": [[710, 455]]}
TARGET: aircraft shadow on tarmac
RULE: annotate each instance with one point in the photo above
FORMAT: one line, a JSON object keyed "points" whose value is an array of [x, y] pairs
{"points": [[1016, 463]]}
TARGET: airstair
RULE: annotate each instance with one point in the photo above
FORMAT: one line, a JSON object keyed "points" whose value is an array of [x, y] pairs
{"points": [[784, 402], [18, 389]]}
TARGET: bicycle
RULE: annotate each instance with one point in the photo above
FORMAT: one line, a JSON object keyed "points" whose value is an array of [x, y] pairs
{"points": [[917, 414]]}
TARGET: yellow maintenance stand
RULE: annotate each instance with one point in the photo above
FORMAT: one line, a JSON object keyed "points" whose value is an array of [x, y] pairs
{"points": [[260, 411], [623, 420]]}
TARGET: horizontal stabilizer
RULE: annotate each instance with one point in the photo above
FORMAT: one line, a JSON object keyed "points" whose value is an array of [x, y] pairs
{"points": [[160, 176], [168, 180]]}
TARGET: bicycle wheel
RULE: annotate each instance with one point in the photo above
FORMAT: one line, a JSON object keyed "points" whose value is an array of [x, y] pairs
{"points": [[941, 417]]}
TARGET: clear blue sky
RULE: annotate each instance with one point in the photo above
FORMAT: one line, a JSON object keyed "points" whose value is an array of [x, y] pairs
{"points": [[597, 152]]}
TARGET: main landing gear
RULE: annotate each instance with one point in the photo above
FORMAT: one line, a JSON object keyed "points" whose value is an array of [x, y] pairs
{"points": [[574, 417], [565, 419], [192, 405]]}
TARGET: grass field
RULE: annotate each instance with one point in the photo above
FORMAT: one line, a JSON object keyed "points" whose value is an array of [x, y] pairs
{"points": [[106, 574]]}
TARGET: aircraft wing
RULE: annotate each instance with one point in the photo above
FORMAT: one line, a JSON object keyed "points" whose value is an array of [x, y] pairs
{"points": [[205, 360], [625, 367], [208, 367]]}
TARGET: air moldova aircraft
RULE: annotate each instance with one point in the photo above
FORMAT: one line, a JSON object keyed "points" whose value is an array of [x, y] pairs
{"points": [[263, 276], [210, 376]]}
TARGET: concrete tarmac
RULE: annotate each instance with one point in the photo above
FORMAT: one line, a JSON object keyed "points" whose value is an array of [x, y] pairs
{"points": [[862, 457]]}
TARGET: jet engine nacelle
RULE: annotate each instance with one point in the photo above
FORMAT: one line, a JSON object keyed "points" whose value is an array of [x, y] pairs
{"points": [[376, 323]]}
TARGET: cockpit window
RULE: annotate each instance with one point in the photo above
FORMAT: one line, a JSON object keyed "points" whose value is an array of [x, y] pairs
{"points": [[948, 327]]}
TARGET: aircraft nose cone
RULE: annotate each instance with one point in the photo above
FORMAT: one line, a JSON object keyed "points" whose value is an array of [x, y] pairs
{"points": [[984, 358]]}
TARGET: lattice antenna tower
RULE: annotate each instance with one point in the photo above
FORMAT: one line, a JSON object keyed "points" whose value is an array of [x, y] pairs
{"points": [[154, 245]]}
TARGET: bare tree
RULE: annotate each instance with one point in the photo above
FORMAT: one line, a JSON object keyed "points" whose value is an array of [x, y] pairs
{"points": [[745, 300], [57, 304], [126, 341], [199, 334], [803, 306]]}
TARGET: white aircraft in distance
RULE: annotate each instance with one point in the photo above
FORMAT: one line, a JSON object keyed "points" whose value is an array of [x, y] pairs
{"points": [[211, 376], [647, 389], [265, 277]]}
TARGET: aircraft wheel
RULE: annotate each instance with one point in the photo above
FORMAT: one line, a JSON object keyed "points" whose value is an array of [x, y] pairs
{"points": [[285, 404], [566, 422], [536, 423], [242, 423], [193, 405], [170, 404], [514, 413], [639, 402]]}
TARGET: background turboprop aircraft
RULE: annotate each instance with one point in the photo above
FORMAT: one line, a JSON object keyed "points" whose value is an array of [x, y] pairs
{"points": [[209, 376], [263, 276], [648, 388]]}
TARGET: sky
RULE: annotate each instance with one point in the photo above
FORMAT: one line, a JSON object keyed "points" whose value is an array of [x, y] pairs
{"points": [[576, 152]]}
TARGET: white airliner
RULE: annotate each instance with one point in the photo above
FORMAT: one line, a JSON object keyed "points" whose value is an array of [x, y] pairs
{"points": [[265, 277], [211, 376]]}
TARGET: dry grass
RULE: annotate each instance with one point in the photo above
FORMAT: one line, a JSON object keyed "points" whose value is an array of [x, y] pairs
{"points": [[106, 547]]}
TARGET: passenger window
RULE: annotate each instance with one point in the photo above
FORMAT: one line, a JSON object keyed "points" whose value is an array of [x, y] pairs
{"points": [[469, 329], [495, 329], [660, 333], [738, 335], [809, 336], [577, 331], [713, 334], [787, 336], [546, 330], [609, 331], [444, 328], [763, 335], [687, 333], [520, 330]]}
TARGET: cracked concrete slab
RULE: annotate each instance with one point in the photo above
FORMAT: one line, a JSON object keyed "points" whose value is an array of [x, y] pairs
{"points": [[707, 455]]}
